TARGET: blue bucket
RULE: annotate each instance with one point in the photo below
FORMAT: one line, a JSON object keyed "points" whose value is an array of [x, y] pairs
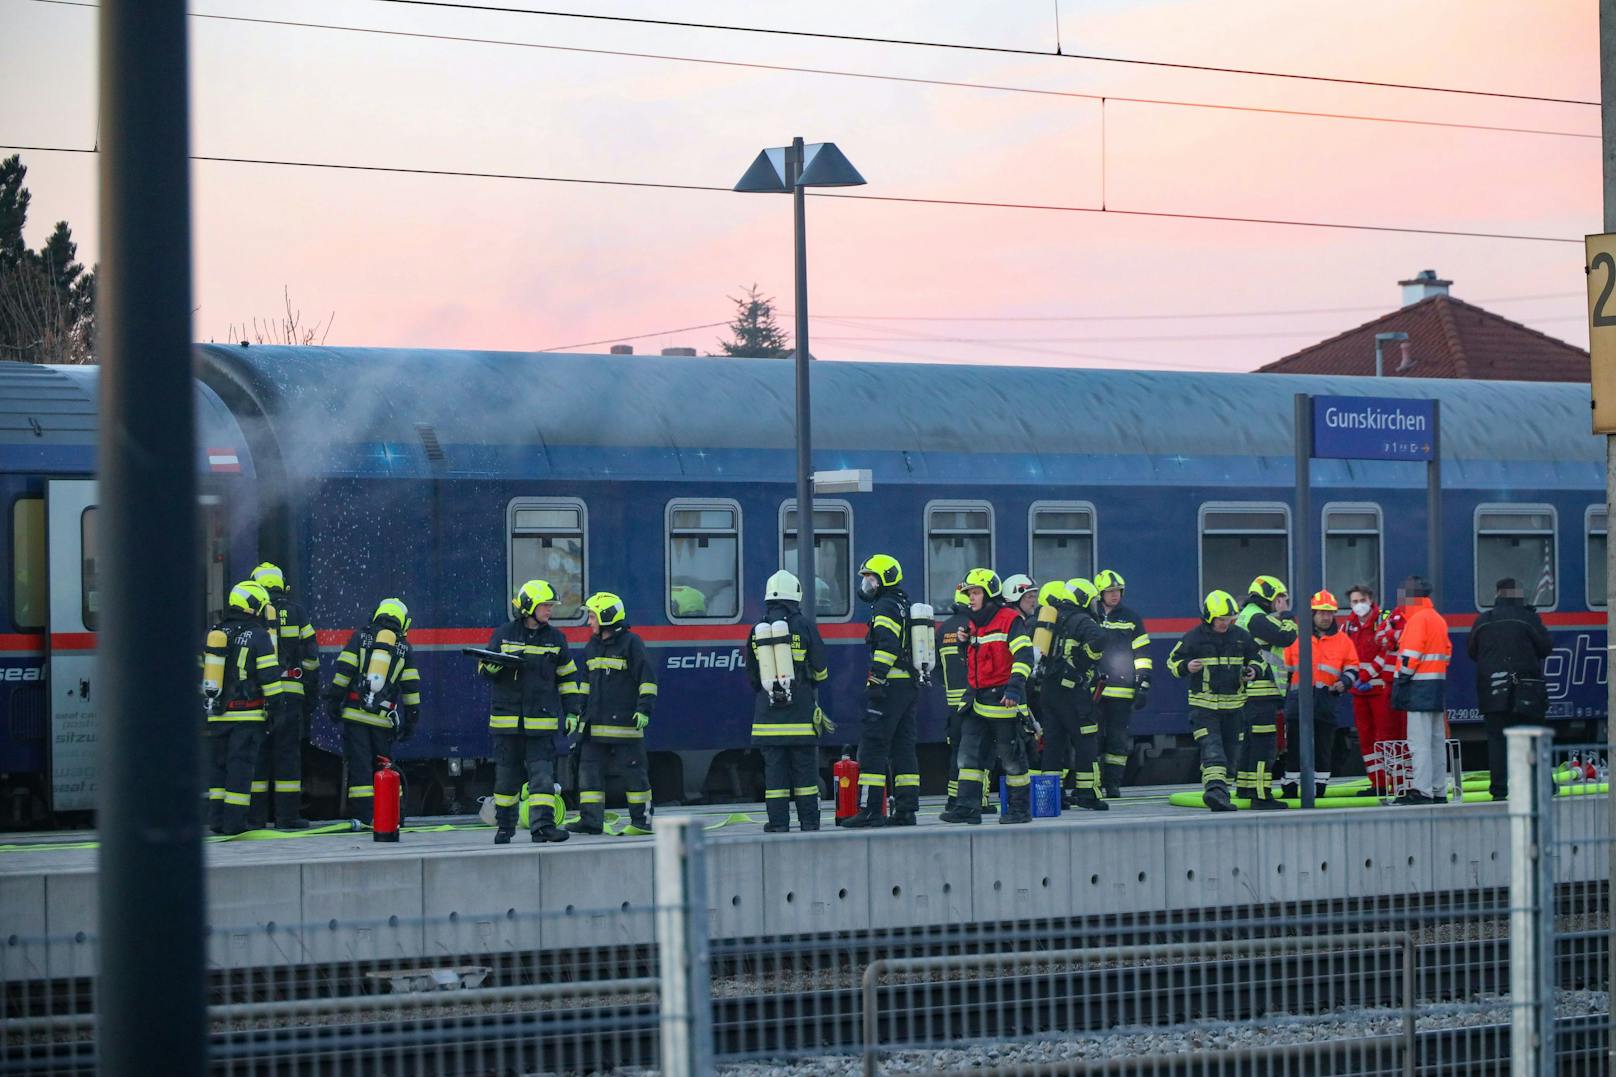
{"points": [[1046, 795]]}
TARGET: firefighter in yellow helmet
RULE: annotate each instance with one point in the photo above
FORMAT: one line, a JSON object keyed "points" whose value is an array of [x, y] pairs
{"points": [[240, 675], [887, 735], [280, 759], [375, 695], [620, 693], [1266, 615], [1217, 658], [533, 690], [952, 643], [1125, 669], [1071, 720]]}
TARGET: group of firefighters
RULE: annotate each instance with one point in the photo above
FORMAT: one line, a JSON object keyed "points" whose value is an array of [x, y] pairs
{"points": [[1047, 673]]}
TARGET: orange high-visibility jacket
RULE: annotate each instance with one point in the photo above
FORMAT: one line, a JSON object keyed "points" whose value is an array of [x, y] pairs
{"points": [[1335, 658], [1424, 651]]}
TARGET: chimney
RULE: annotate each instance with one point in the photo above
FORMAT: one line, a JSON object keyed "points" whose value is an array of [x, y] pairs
{"points": [[678, 351], [1424, 285], [622, 349]]}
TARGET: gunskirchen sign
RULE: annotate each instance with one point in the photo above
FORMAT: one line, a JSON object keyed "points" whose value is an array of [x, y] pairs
{"points": [[1373, 428]]}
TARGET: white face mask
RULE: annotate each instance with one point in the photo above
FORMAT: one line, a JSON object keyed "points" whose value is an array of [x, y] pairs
{"points": [[1361, 609]]}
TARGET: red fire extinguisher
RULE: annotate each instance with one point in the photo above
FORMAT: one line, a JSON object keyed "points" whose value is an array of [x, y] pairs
{"points": [[846, 774], [387, 805]]}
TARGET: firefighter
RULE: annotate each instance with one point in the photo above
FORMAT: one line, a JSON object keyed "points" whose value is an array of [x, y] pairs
{"points": [[375, 695], [997, 666], [618, 700], [280, 758], [1021, 595], [787, 719], [531, 694], [240, 675], [1071, 716], [1126, 670], [1374, 633], [952, 639], [887, 738], [1264, 617], [1218, 658], [1335, 671]]}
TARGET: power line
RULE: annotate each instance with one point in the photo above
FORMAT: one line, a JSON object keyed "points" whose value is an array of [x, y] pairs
{"points": [[999, 49], [899, 199], [1176, 316], [875, 76], [632, 336]]}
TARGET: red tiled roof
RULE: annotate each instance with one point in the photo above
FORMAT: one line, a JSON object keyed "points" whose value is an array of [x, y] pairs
{"points": [[1448, 338]]}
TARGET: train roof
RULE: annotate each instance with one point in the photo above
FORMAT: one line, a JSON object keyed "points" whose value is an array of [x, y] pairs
{"points": [[346, 398]]}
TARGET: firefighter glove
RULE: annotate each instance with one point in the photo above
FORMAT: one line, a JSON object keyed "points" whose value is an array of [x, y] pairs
{"points": [[641, 720], [573, 721], [822, 722], [1140, 694], [1011, 697], [406, 728], [1365, 686]]}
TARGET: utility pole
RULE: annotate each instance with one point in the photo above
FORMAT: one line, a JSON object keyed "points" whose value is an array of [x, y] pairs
{"points": [[152, 991], [806, 568]]}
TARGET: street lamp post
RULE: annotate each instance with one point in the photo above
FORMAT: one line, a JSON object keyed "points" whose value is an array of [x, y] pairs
{"points": [[793, 169]]}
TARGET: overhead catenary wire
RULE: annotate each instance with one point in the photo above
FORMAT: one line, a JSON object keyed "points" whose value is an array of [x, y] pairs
{"points": [[823, 35], [897, 199], [1164, 102]]}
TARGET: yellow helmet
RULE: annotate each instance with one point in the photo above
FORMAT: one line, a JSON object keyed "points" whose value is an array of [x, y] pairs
{"points": [[270, 577], [1268, 588], [884, 568], [1055, 591], [960, 597], [531, 595], [986, 579], [1219, 604], [1083, 592], [393, 609], [607, 608], [687, 601], [1107, 578], [250, 598]]}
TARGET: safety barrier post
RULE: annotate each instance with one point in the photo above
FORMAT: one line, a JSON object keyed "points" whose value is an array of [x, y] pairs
{"points": [[682, 952], [1531, 902]]}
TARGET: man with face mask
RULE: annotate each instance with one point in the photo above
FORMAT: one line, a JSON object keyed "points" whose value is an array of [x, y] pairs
{"points": [[1374, 633], [887, 736]]}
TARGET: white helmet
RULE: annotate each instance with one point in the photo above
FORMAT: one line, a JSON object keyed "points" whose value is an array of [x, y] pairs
{"points": [[783, 585], [1016, 586]]}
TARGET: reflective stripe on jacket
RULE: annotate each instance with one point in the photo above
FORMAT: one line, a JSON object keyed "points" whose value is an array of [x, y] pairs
{"points": [[1335, 659], [1422, 659]]}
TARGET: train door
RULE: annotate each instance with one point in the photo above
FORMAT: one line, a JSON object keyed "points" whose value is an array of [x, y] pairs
{"points": [[74, 617]]}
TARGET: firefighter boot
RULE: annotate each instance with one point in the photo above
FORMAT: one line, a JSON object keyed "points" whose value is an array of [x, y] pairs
{"points": [[808, 812], [1018, 808], [549, 832], [505, 824], [1088, 800], [870, 814], [1112, 776], [639, 822], [779, 813], [1216, 798]]}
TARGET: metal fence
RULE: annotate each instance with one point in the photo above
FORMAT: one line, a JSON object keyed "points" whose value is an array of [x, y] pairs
{"points": [[1460, 939]]}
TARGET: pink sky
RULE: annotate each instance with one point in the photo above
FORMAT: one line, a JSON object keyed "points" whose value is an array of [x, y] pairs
{"points": [[452, 262]]}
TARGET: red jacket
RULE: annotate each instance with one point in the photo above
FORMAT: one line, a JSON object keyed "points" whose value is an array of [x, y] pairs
{"points": [[1375, 638]]}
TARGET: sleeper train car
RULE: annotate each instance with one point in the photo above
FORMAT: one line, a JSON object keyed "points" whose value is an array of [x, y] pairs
{"points": [[446, 478]]}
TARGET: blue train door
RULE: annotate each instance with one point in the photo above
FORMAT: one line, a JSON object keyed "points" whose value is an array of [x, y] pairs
{"points": [[74, 612]]}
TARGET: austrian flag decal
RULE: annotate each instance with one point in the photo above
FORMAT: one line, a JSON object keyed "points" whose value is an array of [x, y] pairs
{"points": [[223, 460]]}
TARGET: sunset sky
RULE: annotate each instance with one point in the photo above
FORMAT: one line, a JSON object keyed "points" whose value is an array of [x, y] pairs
{"points": [[437, 261]]}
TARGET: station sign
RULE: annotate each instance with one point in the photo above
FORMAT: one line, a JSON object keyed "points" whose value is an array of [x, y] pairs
{"points": [[1373, 428]]}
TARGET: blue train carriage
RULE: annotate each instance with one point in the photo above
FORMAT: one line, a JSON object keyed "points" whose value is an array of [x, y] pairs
{"points": [[449, 477], [49, 589]]}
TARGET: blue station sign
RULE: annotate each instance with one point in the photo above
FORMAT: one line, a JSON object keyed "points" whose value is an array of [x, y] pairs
{"points": [[1373, 428]]}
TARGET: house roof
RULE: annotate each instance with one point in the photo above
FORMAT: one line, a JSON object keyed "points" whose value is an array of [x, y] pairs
{"points": [[1448, 338]]}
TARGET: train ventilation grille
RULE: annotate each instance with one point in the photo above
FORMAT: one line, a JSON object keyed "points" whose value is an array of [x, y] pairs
{"points": [[429, 442]]}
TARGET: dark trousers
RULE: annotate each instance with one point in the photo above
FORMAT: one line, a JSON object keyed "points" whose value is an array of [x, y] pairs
{"points": [[235, 753], [981, 741], [1497, 760], [1324, 735], [791, 776], [361, 744], [1072, 736], [1260, 720], [528, 757], [887, 747], [1210, 729], [1115, 743], [279, 771], [597, 759]]}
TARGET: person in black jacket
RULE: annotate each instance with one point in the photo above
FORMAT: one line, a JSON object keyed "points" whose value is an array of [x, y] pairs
{"points": [[952, 640], [786, 719], [618, 699], [887, 735], [531, 693], [375, 697], [1508, 644], [1218, 659], [280, 759], [1071, 717]]}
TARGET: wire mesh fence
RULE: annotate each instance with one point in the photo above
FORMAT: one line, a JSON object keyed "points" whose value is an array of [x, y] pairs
{"points": [[1578, 920]]}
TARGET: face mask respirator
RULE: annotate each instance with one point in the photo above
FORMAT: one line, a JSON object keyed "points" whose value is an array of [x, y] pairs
{"points": [[1361, 609]]}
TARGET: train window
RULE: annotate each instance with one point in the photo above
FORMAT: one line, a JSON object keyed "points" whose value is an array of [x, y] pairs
{"points": [[28, 594], [1597, 524], [1516, 541], [704, 560], [1060, 542], [548, 541], [833, 551], [1240, 542], [1351, 549], [959, 537], [90, 595]]}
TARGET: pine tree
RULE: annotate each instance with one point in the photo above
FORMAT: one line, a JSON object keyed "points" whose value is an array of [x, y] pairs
{"points": [[47, 298], [756, 335]]}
